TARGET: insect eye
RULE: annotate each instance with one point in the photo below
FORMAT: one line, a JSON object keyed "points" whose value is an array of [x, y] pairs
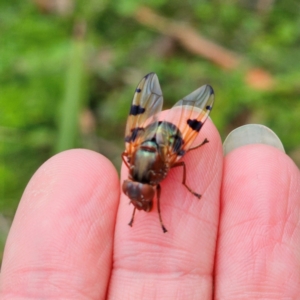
{"points": [[138, 191]]}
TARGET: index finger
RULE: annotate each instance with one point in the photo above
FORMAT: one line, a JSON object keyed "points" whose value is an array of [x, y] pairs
{"points": [[61, 241]]}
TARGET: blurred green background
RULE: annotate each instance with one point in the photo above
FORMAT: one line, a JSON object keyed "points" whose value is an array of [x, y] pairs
{"points": [[68, 70]]}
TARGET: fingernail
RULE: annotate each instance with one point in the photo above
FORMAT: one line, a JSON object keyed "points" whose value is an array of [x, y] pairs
{"points": [[251, 134]]}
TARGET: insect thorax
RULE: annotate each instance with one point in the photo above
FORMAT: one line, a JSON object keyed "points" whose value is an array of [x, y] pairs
{"points": [[147, 165]]}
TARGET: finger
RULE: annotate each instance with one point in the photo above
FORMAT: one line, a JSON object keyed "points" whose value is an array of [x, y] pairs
{"points": [[60, 242], [259, 235], [178, 264]]}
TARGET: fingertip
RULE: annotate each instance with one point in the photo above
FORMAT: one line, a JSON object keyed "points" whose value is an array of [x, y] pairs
{"points": [[189, 224], [259, 222], [256, 173], [70, 178], [65, 221], [255, 157]]}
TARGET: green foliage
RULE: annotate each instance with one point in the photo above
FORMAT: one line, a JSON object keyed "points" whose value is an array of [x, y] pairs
{"points": [[53, 64]]}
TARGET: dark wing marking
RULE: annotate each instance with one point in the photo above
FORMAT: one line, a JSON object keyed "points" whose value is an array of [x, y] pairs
{"points": [[188, 115], [146, 103]]}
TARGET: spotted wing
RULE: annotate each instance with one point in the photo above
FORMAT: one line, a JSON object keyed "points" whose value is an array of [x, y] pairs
{"points": [[184, 121], [146, 103]]}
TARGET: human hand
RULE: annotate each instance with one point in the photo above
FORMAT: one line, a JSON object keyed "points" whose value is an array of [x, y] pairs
{"points": [[241, 240]]}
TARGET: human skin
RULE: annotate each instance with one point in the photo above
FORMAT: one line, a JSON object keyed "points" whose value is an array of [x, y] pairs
{"points": [[241, 240]]}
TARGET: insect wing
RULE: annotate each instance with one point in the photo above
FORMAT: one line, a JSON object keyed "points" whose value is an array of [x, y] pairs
{"points": [[184, 121], [146, 103]]}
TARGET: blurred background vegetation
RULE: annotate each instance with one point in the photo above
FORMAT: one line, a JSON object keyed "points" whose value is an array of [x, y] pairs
{"points": [[68, 70]]}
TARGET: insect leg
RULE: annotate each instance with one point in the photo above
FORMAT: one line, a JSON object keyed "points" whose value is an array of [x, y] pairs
{"points": [[182, 164], [123, 158], [198, 146], [158, 208], [131, 221]]}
